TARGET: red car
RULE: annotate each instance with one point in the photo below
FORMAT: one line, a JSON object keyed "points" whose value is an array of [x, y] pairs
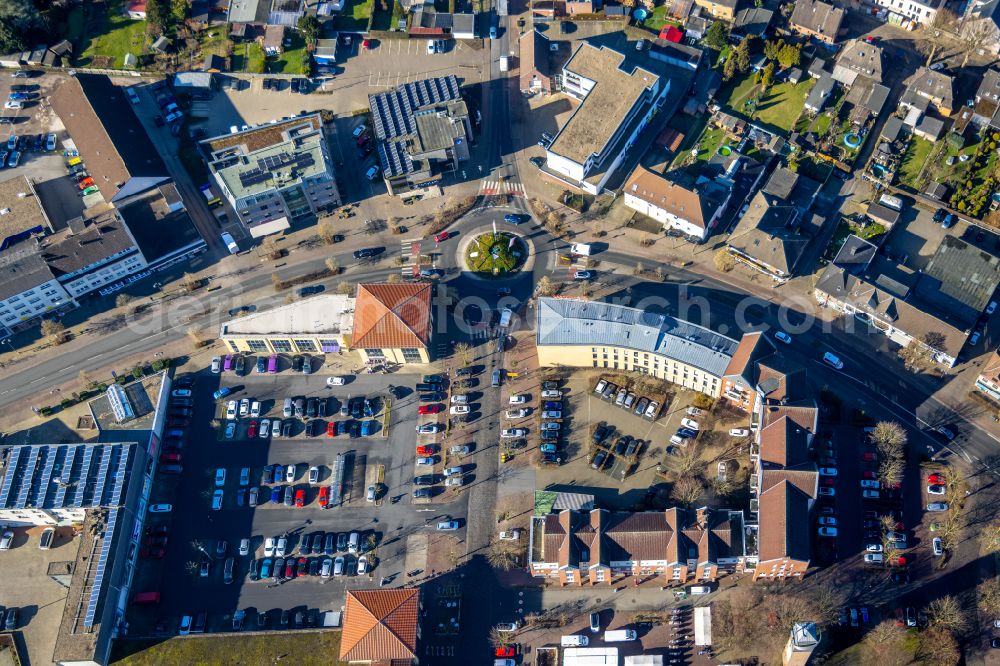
{"points": [[153, 553], [290, 568], [443, 236], [331, 429], [867, 474], [868, 456], [366, 44], [170, 457], [252, 429], [324, 496], [935, 479], [426, 450], [429, 409], [362, 140], [300, 498], [827, 480], [505, 652]]}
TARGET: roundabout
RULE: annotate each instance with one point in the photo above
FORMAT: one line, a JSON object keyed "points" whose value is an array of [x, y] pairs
{"points": [[494, 255]]}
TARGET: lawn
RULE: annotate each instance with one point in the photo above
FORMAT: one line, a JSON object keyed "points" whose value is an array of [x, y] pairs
{"points": [[215, 41], [710, 142], [115, 35], [913, 161], [248, 58], [294, 60], [301, 649], [779, 108], [822, 123], [490, 254], [658, 19], [355, 16]]}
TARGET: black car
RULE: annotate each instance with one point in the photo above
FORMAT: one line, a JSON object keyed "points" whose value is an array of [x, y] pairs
{"points": [[341, 428], [317, 543], [284, 618], [312, 289], [367, 252], [364, 151], [297, 363], [465, 372], [314, 566], [337, 238], [423, 480], [314, 428], [599, 459], [422, 493], [432, 397], [622, 444], [267, 84], [631, 448], [328, 545], [357, 407], [355, 428], [550, 386], [551, 459], [311, 407], [261, 364], [295, 85], [286, 428]]}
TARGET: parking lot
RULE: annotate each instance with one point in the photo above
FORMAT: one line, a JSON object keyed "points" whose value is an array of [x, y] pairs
{"points": [[396, 534]]}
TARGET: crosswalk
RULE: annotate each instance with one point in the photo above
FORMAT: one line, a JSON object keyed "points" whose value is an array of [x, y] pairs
{"points": [[409, 250], [489, 188]]}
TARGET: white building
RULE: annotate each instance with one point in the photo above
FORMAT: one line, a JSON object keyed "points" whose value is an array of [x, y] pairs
{"points": [[693, 212], [618, 99], [909, 13]]}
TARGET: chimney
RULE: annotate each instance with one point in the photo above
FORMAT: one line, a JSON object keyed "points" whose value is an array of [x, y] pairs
{"points": [[701, 517]]}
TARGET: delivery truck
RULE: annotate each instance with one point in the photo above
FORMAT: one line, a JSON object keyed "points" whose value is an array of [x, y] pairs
{"points": [[581, 248], [619, 635], [230, 243], [504, 63]]}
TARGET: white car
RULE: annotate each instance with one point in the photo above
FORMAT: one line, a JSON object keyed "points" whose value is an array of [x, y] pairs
{"points": [[459, 409], [518, 399], [874, 548], [313, 475], [510, 433], [244, 547], [453, 471], [335, 381], [265, 428], [516, 413], [551, 394], [290, 474], [937, 546], [511, 535], [269, 545], [448, 526], [690, 424], [869, 483], [255, 409], [462, 450], [362, 565], [551, 415], [7, 540], [454, 481], [550, 425], [220, 477], [828, 471], [784, 337], [460, 399], [827, 531], [991, 308], [281, 547], [370, 496], [430, 428], [181, 393], [937, 506], [231, 410], [826, 491], [216, 365], [426, 460], [739, 432], [827, 520], [581, 275], [936, 66], [431, 47], [161, 508], [870, 494], [244, 407], [601, 385]]}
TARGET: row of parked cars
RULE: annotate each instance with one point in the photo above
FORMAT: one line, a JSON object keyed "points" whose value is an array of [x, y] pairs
{"points": [[431, 390], [627, 400], [608, 446]]}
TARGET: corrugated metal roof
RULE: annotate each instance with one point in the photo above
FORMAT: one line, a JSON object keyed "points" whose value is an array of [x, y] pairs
{"points": [[588, 323]]}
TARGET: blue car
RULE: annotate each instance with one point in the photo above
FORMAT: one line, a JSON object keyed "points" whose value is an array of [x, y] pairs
{"points": [[265, 568], [222, 392], [276, 495], [687, 433], [368, 428], [548, 448], [261, 364], [514, 218], [553, 406], [18, 97]]}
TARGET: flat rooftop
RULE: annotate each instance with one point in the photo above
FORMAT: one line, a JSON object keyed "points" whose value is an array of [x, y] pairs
{"points": [[143, 396], [21, 212], [618, 85], [316, 315]]}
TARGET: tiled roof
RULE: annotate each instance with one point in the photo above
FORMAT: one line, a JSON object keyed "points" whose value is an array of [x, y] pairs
{"points": [[392, 316], [781, 378], [784, 523], [818, 17], [638, 536], [553, 536], [380, 625], [687, 204], [753, 345], [784, 442]]}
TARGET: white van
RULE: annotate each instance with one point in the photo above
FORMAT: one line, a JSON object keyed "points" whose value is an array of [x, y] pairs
{"points": [[699, 589], [574, 641], [230, 243], [833, 361]]}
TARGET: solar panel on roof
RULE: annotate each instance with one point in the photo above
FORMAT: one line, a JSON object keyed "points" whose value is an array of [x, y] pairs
{"points": [[88, 454], [102, 476], [45, 481], [29, 469], [116, 495], [8, 478], [102, 564], [65, 475]]}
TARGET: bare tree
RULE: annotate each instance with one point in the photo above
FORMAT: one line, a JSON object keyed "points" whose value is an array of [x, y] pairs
{"points": [[394, 278], [639, 269], [502, 555], [327, 232], [190, 282], [332, 265], [976, 35], [687, 490], [724, 260], [463, 353], [989, 597], [54, 330], [85, 379], [890, 470], [684, 460], [545, 286], [937, 646], [884, 646], [889, 438], [122, 300], [934, 35], [947, 613], [277, 282], [196, 337], [345, 288], [991, 538], [269, 247], [501, 639]]}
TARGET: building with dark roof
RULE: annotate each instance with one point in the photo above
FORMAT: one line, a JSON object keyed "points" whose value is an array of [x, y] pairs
{"points": [[819, 20], [752, 22], [393, 323], [274, 174], [595, 547], [112, 142], [421, 126], [858, 58]]}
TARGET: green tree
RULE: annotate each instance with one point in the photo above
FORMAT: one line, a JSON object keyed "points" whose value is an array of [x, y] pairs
{"points": [[309, 27], [180, 10], [772, 49], [789, 56], [21, 25], [729, 68], [741, 54], [717, 36], [767, 76], [158, 14]]}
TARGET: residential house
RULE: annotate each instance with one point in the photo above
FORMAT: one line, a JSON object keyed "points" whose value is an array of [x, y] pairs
{"points": [[596, 547], [858, 58], [286, 12], [681, 10], [574, 7], [693, 211], [816, 99], [911, 13], [619, 95], [719, 9], [934, 86], [422, 128], [319, 324], [136, 10], [579, 333], [112, 142], [816, 19], [739, 382], [986, 109], [273, 42], [752, 22], [675, 53], [274, 173], [936, 191], [883, 215], [393, 323], [249, 11], [697, 25], [536, 70], [934, 309], [988, 381], [426, 22], [381, 626]]}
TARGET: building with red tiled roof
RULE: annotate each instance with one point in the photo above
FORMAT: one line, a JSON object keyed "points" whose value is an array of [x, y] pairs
{"points": [[597, 547], [381, 627], [739, 380], [392, 323], [137, 10], [989, 379]]}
